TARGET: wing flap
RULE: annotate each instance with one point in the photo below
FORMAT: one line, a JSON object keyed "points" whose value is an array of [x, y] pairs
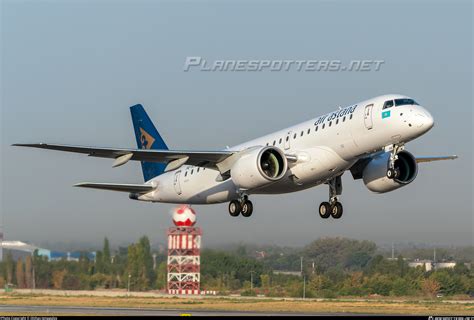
{"points": [[121, 187]]}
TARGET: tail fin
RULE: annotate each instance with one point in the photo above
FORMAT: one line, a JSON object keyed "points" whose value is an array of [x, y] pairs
{"points": [[147, 138]]}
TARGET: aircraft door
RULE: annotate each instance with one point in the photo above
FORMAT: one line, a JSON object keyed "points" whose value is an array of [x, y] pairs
{"points": [[368, 116], [287, 140], [177, 185]]}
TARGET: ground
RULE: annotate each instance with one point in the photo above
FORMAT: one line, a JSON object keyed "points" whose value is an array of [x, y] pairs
{"points": [[356, 306]]}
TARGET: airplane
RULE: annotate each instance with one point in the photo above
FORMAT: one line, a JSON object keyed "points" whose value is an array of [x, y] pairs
{"points": [[368, 139]]}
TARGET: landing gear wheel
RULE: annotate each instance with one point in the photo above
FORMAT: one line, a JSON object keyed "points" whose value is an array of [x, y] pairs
{"points": [[397, 173], [324, 210], [336, 210], [234, 208], [391, 173], [247, 208]]}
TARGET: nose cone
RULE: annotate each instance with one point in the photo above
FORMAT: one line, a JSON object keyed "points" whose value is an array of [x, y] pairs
{"points": [[422, 120], [429, 121]]}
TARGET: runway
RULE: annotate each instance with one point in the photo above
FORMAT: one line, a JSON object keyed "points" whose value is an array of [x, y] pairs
{"points": [[104, 311]]}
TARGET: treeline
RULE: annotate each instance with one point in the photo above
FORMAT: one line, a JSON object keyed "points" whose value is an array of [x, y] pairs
{"points": [[331, 267]]}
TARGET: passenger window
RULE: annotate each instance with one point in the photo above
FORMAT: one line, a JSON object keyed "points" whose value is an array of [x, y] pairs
{"points": [[330, 123], [309, 131], [198, 170], [280, 141], [350, 117], [316, 128], [274, 142], [287, 138], [301, 133], [294, 137], [388, 104], [192, 171], [186, 174], [344, 119], [337, 121], [324, 125]]}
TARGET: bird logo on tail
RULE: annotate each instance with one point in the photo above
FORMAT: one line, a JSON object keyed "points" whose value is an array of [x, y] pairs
{"points": [[146, 139]]}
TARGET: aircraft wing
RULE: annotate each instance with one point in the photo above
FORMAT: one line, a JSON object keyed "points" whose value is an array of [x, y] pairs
{"points": [[429, 159], [122, 156], [134, 188]]}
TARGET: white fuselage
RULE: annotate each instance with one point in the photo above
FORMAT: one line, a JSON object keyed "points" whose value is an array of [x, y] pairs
{"points": [[325, 147]]}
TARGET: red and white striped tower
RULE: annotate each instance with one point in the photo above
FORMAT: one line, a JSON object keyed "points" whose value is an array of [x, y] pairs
{"points": [[184, 253]]}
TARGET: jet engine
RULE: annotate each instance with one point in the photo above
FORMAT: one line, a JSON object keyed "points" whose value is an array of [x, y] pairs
{"points": [[259, 167], [375, 173]]}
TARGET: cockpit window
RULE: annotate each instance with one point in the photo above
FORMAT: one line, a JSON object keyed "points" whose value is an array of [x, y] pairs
{"points": [[388, 104], [403, 102]]}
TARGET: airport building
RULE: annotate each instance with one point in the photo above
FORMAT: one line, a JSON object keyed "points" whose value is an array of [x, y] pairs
{"points": [[430, 265], [19, 249]]}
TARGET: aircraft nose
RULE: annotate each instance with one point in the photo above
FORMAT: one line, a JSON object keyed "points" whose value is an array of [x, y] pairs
{"points": [[429, 121], [423, 120]]}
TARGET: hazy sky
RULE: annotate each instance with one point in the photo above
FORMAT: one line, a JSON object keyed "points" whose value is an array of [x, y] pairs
{"points": [[71, 69]]}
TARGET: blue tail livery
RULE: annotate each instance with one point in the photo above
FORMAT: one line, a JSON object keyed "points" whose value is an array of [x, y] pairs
{"points": [[147, 138]]}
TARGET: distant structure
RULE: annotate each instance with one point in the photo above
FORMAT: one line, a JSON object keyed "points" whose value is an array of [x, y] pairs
{"points": [[430, 265], [19, 249], [184, 253], [426, 264]]}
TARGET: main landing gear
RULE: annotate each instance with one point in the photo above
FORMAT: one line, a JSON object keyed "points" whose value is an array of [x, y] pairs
{"points": [[332, 208], [392, 171], [243, 205]]}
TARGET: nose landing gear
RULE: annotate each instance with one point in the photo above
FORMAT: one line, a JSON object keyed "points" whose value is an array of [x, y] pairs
{"points": [[392, 171]]}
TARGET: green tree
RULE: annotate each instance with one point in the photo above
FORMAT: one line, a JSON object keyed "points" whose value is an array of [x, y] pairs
{"points": [[20, 274], [132, 273], [99, 262], [353, 285], [43, 271], [339, 253], [319, 282], [449, 283], [241, 250], [146, 258], [380, 284], [265, 280], [106, 257], [28, 272], [400, 287], [402, 266], [140, 265], [461, 269], [161, 276], [9, 266]]}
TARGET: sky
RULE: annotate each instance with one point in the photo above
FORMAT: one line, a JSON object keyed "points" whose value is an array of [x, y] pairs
{"points": [[71, 69]]}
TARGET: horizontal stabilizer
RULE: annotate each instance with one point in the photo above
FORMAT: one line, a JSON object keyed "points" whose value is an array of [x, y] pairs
{"points": [[123, 187]]}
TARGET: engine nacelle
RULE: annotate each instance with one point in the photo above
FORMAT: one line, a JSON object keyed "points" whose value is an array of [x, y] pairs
{"points": [[259, 167], [375, 173]]}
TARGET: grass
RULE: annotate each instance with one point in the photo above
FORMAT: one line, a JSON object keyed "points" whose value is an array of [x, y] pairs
{"points": [[256, 305]]}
